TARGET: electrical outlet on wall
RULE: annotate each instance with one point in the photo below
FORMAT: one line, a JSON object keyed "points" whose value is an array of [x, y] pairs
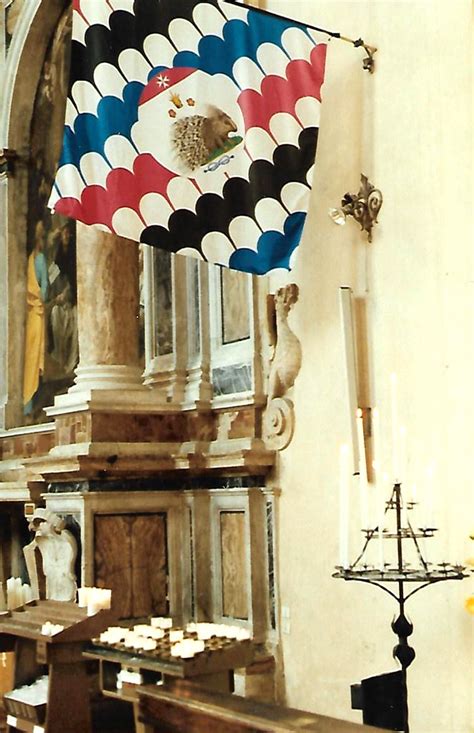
{"points": [[285, 619]]}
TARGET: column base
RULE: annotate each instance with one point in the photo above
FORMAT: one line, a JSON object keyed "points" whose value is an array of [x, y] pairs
{"points": [[108, 388]]}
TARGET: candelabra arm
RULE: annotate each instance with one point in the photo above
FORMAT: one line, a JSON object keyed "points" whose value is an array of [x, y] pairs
{"points": [[430, 582], [372, 582]]}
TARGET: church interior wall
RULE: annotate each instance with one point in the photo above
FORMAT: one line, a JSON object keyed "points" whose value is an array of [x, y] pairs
{"points": [[408, 127]]}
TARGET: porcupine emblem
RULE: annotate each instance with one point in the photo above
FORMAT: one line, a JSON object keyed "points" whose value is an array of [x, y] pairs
{"points": [[196, 138]]}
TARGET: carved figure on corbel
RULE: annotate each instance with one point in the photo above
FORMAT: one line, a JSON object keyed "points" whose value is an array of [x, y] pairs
{"points": [[285, 364]]}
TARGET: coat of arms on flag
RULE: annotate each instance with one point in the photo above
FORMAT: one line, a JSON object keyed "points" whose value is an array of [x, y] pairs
{"points": [[191, 125]]}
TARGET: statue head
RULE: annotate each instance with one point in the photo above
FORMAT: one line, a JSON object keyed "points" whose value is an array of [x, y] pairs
{"points": [[45, 522]]}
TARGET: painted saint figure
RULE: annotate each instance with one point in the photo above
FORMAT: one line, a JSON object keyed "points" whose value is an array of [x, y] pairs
{"points": [[37, 288], [63, 299]]}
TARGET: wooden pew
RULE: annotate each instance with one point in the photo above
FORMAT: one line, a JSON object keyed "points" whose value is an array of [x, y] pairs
{"points": [[183, 707]]}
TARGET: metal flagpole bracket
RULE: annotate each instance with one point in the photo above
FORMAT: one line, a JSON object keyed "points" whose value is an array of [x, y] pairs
{"points": [[368, 63]]}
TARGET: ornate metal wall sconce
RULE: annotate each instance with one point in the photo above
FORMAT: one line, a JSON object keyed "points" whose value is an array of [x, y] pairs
{"points": [[363, 207], [7, 162]]}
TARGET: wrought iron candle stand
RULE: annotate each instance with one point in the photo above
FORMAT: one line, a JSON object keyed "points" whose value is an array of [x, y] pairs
{"points": [[401, 574]]}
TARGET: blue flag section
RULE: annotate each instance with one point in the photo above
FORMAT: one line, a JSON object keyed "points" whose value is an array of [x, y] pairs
{"points": [[192, 126]]}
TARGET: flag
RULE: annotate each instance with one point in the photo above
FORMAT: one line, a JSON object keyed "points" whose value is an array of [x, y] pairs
{"points": [[191, 125]]}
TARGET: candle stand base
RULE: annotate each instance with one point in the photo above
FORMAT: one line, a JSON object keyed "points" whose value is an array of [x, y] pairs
{"points": [[400, 574]]}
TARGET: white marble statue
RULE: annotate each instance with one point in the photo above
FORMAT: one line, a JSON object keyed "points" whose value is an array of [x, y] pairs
{"points": [[58, 550]]}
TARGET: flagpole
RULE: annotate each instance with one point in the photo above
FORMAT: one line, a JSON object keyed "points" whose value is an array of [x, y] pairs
{"points": [[370, 50]]}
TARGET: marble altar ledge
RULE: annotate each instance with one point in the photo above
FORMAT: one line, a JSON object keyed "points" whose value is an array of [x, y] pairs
{"points": [[108, 460]]}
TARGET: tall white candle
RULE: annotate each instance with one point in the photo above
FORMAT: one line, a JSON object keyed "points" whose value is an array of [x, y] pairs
{"points": [[10, 593], [350, 364], [402, 446], [429, 497], [381, 521], [395, 428], [344, 478], [364, 498], [375, 425]]}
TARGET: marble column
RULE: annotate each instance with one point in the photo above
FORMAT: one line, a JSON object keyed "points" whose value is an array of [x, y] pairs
{"points": [[108, 302], [108, 375]]}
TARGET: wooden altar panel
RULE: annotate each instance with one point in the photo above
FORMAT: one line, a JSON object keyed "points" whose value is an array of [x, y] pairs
{"points": [[112, 556], [149, 561], [131, 558], [233, 565]]}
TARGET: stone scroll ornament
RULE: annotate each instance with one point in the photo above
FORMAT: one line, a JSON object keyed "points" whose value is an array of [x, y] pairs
{"points": [[191, 125], [279, 419]]}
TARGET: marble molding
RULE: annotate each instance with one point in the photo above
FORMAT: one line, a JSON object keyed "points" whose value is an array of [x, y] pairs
{"points": [[239, 456]]}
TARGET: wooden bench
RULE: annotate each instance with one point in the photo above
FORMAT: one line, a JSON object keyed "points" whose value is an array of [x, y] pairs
{"points": [[182, 707]]}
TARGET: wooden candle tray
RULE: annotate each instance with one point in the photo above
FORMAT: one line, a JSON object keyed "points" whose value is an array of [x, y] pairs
{"points": [[34, 712], [219, 654], [26, 622]]}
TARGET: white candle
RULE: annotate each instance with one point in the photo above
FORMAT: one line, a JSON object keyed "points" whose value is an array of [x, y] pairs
{"points": [[381, 522], [350, 363], [375, 425], [105, 598], [10, 593], [429, 497], [94, 601], [403, 461], [404, 513], [395, 429], [27, 593], [364, 498], [344, 506], [413, 495], [3, 600], [83, 597]]}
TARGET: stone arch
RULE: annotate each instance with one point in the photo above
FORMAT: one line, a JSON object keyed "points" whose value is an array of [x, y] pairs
{"points": [[33, 34]]}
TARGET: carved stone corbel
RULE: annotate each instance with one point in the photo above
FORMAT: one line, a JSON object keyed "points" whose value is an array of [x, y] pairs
{"points": [[279, 418]]}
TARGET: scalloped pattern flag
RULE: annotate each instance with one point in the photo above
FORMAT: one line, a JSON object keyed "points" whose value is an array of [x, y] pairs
{"points": [[192, 125]]}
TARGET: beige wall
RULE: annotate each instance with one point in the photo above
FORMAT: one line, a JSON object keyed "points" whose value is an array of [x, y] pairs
{"points": [[409, 128]]}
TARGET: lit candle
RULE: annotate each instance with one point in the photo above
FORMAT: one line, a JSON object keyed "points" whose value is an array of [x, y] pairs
{"points": [[395, 428], [344, 506], [364, 498]]}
